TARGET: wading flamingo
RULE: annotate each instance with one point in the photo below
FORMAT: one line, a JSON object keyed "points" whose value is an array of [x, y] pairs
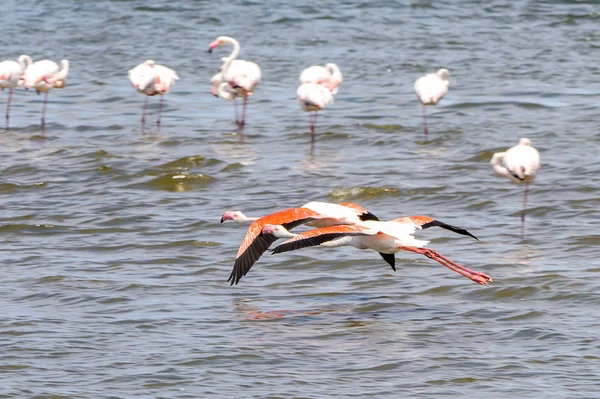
{"points": [[10, 77], [329, 76], [314, 214], [430, 89], [312, 98], [44, 76], [150, 79], [387, 238], [520, 164], [242, 76]]}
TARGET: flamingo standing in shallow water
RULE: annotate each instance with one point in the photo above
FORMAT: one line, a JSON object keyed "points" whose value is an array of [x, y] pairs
{"points": [[241, 75], [430, 89], [10, 77], [44, 76], [520, 164], [312, 98], [315, 214], [150, 79], [387, 238]]}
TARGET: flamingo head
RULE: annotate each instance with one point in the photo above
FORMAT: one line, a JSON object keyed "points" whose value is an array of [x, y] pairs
{"points": [[220, 41], [443, 74], [277, 230], [236, 216], [525, 141]]}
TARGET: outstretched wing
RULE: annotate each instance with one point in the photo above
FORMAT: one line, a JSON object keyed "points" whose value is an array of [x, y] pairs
{"points": [[315, 237], [255, 244], [426, 222]]}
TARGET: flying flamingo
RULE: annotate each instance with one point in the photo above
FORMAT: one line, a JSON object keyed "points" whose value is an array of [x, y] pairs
{"points": [[312, 98], [151, 79], [430, 89], [315, 214], [10, 77], [329, 76], [387, 238], [243, 76], [520, 164], [44, 76]]}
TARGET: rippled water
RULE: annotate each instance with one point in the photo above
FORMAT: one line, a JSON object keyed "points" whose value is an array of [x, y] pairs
{"points": [[114, 261]]}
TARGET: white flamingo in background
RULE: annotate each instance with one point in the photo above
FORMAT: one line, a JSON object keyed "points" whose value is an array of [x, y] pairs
{"points": [[44, 76], [242, 76], [329, 76], [150, 79], [315, 214], [430, 89], [312, 98], [387, 238], [520, 164], [10, 77]]}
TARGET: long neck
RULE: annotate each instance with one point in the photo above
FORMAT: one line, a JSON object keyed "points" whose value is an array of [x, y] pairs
{"points": [[234, 54], [496, 162], [336, 74], [24, 62], [64, 70], [224, 91]]}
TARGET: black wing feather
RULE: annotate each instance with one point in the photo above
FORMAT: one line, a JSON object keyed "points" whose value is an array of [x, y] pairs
{"points": [[390, 259], [368, 216], [244, 262], [437, 223], [311, 241]]}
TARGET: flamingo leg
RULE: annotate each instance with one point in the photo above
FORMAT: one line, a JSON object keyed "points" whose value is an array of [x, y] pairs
{"points": [[243, 120], [144, 110], [235, 108], [425, 121], [477, 277], [524, 209], [160, 107], [10, 92], [44, 110]]}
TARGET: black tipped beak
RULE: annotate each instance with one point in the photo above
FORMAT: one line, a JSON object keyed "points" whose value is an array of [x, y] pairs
{"points": [[222, 220], [209, 50], [216, 95]]}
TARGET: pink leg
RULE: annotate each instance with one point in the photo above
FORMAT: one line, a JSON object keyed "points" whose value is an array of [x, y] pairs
{"points": [[243, 120], [160, 107], [478, 277], [425, 121], [144, 110], [10, 92], [235, 108], [524, 210], [44, 110]]}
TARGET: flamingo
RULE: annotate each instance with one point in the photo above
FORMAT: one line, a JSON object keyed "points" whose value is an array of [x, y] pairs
{"points": [[10, 77], [329, 76], [243, 76], [314, 214], [520, 164], [44, 76], [387, 238], [312, 98], [222, 89], [151, 79], [430, 89]]}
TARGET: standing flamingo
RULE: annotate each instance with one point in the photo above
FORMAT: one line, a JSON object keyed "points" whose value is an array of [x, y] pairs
{"points": [[520, 164], [44, 76], [312, 98], [10, 77], [243, 76], [329, 76], [387, 238], [430, 89], [150, 79]]}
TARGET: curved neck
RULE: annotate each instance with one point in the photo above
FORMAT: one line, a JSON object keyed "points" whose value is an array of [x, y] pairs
{"points": [[24, 62], [224, 91], [234, 54], [496, 162], [64, 70], [334, 70]]}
